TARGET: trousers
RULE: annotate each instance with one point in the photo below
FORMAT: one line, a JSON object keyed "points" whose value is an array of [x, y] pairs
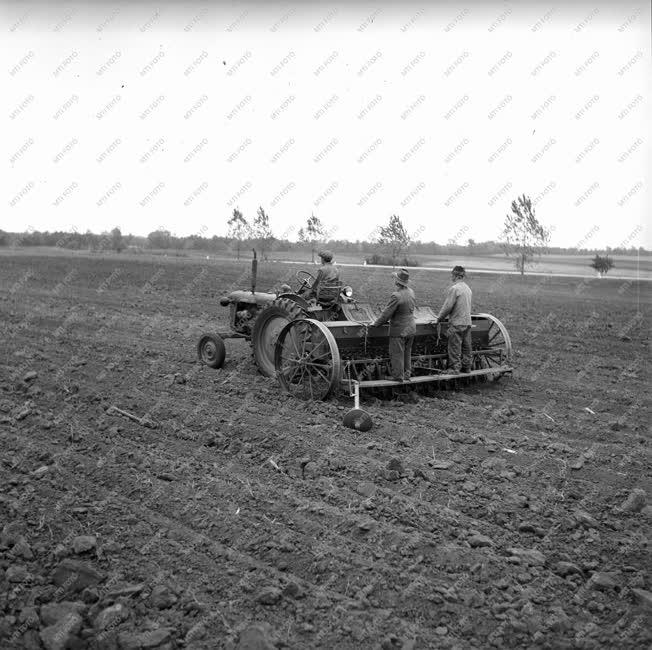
{"points": [[400, 356], [459, 347]]}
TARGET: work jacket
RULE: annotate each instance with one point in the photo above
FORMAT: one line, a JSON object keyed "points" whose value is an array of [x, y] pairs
{"points": [[400, 313], [457, 305], [328, 275]]}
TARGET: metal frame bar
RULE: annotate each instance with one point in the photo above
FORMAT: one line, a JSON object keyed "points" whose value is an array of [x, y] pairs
{"points": [[232, 335], [354, 391], [383, 383], [415, 358]]}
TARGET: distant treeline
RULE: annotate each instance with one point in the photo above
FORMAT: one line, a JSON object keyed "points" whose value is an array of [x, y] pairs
{"points": [[164, 240]]}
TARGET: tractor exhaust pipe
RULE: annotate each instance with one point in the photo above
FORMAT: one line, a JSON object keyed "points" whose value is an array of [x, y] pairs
{"points": [[254, 270]]}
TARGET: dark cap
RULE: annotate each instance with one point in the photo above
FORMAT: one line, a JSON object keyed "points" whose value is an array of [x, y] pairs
{"points": [[327, 256]]}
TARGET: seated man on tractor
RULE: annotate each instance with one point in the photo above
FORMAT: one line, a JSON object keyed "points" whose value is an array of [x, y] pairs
{"points": [[328, 278]]}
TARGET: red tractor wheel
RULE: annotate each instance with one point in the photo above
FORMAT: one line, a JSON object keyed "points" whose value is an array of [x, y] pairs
{"points": [[211, 350]]}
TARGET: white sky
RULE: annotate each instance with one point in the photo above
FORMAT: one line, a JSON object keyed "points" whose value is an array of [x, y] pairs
{"points": [[125, 38]]}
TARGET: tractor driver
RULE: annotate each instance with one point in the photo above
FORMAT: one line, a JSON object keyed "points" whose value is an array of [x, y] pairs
{"points": [[328, 274], [457, 307], [402, 328]]}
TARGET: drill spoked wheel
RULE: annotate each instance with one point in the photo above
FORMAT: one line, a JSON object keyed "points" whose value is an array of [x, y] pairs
{"points": [[496, 352], [307, 360]]}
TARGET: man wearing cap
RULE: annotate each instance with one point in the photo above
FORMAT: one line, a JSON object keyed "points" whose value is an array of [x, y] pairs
{"points": [[328, 274], [402, 326], [457, 307]]}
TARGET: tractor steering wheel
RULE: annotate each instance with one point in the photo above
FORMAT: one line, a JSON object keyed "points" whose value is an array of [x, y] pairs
{"points": [[305, 279]]}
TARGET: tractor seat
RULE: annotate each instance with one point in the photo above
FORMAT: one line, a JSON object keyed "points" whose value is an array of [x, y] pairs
{"points": [[328, 294]]}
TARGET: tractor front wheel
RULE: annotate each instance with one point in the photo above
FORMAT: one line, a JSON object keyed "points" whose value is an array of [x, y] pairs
{"points": [[211, 350]]}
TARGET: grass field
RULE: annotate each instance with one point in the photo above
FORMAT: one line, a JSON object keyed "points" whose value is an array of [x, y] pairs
{"points": [[509, 514], [626, 266]]}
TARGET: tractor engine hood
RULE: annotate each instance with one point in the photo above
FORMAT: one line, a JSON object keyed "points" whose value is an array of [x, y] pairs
{"points": [[256, 298]]}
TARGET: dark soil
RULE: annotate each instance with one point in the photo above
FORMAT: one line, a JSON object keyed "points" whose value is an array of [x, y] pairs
{"points": [[511, 514]]}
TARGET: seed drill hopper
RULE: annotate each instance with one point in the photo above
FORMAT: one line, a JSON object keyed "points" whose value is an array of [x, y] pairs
{"points": [[315, 359]]}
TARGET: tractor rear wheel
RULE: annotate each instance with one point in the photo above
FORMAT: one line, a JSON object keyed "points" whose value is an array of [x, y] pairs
{"points": [[211, 350], [268, 325]]}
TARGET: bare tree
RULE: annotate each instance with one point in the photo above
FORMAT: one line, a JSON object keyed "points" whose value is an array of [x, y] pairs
{"points": [[312, 233], [262, 231], [524, 235], [239, 229], [394, 237]]}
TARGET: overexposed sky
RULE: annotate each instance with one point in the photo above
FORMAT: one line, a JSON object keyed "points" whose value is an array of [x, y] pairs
{"points": [[145, 115]]}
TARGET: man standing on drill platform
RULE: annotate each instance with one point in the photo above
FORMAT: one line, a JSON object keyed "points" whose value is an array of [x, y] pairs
{"points": [[457, 307], [402, 328]]}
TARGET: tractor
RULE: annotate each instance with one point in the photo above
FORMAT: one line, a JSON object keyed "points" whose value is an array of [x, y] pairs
{"points": [[258, 317], [316, 348]]}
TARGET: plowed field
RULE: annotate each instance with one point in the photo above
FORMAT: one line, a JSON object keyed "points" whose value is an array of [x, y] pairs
{"points": [[511, 514]]}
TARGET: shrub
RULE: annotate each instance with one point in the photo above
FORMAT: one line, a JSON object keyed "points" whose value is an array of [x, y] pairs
{"points": [[388, 260], [602, 264]]}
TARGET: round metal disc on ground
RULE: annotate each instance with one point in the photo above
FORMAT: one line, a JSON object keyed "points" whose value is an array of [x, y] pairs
{"points": [[307, 359], [358, 419], [211, 350]]}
